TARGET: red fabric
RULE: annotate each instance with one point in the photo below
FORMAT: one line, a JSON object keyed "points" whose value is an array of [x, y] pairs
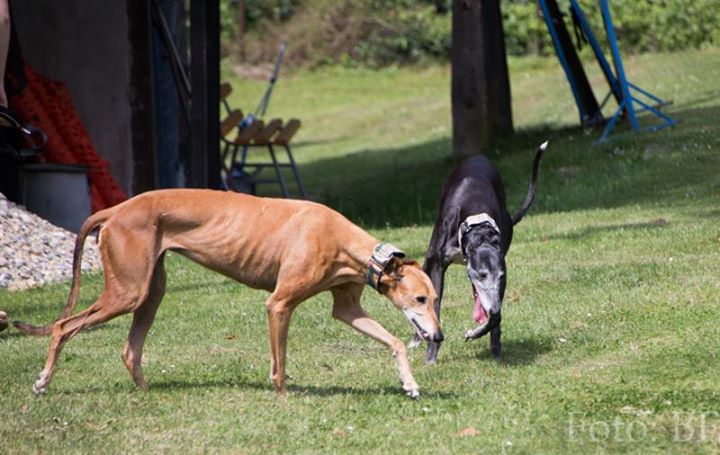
{"points": [[48, 105]]}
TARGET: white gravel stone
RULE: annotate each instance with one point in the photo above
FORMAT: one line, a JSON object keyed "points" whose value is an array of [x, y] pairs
{"points": [[34, 252]]}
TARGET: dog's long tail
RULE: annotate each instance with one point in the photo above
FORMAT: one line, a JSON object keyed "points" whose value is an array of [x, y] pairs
{"points": [[533, 185], [88, 226]]}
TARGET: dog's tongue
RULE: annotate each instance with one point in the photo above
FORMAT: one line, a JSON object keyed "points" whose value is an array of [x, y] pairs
{"points": [[479, 314]]}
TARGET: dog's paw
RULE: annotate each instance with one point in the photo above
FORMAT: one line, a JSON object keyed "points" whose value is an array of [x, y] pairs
{"points": [[414, 394], [41, 384], [39, 389], [411, 389]]}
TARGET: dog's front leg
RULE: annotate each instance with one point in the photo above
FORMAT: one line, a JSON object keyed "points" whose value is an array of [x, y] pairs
{"points": [[279, 312], [495, 343], [435, 269], [496, 333], [346, 308]]}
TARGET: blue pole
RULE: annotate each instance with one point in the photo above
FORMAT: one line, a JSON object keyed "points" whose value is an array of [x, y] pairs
{"points": [[599, 54], [612, 39], [563, 59]]}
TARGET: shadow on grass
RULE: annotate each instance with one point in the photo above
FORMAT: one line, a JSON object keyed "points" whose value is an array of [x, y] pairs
{"points": [[518, 352], [201, 286], [711, 213], [707, 96], [580, 234], [293, 388], [12, 332], [515, 352], [400, 187]]}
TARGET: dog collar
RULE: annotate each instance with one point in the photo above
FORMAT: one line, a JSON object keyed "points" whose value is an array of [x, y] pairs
{"points": [[382, 255], [474, 220]]}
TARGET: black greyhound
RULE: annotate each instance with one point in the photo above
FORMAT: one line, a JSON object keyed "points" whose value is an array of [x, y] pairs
{"points": [[474, 227]]}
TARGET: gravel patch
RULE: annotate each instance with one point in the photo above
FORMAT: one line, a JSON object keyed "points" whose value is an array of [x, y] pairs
{"points": [[34, 252]]}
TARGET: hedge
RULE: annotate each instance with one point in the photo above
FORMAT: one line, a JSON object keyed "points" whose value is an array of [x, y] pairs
{"points": [[399, 31]]}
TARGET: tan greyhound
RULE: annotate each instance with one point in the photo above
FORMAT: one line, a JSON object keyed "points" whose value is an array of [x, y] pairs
{"points": [[293, 249]]}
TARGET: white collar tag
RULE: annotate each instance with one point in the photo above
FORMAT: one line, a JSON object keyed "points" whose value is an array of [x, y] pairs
{"points": [[474, 220]]}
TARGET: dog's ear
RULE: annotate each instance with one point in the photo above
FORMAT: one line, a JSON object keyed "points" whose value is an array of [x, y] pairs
{"points": [[394, 272], [391, 275]]}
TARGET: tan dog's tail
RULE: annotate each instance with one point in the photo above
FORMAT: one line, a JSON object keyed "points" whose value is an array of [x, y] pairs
{"points": [[88, 226]]}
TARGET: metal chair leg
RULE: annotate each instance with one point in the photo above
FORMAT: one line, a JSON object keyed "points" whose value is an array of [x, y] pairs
{"points": [[281, 181], [224, 166], [298, 181]]}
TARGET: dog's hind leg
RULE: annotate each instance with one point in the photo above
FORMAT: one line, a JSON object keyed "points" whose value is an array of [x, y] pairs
{"points": [[128, 260], [346, 308], [142, 321], [65, 329]]}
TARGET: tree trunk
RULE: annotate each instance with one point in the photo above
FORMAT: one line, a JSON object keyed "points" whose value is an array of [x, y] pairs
{"points": [[481, 107], [240, 29]]}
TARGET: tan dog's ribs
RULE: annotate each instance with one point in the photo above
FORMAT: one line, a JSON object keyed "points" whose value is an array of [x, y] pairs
{"points": [[294, 249]]}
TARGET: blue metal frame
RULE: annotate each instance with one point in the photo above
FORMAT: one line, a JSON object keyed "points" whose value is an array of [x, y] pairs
{"points": [[628, 100], [563, 59], [597, 50], [619, 84]]}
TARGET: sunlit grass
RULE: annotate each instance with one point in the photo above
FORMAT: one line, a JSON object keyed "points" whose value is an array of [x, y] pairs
{"points": [[610, 319]]}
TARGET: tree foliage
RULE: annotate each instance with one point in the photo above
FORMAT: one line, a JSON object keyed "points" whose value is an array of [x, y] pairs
{"points": [[383, 32]]}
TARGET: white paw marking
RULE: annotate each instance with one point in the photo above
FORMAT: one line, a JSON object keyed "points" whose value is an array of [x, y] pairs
{"points": [[413, 393], [38, 388]]}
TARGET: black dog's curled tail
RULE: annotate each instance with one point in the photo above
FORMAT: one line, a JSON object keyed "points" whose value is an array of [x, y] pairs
{"points": [[533, 185]]}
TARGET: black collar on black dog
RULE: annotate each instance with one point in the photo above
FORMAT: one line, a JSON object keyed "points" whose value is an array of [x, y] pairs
{"points": [[382, 256], [475, 220]]}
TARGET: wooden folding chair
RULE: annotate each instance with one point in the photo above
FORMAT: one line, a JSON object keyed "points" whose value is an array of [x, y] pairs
{"points": [[255, 134]]}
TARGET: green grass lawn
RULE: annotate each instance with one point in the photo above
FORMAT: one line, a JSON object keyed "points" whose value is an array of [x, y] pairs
{"points": [[610, 322]]}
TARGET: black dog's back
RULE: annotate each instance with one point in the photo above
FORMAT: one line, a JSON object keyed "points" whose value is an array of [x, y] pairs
{"points": [[476, 172], [475, 176]]}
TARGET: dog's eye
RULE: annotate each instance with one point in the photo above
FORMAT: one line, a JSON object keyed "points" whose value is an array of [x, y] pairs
{"points": [[421, 299]]}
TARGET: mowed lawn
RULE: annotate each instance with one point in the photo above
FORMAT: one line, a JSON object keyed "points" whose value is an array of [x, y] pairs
{"points": [[611, 319]]}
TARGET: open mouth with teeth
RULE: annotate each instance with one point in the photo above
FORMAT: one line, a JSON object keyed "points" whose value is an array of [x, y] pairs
{"points": [[423, 334], [479, 314], [481, 317]]}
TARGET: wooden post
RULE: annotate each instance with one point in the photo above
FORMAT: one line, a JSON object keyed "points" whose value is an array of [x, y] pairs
{"points": [[240, 29], [205, 107], [141, 96]]}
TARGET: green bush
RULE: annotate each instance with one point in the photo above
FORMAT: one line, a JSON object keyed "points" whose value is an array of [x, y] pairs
{"points": [[412, 31], [525, 31], [407, 35], [640, 25], [255, 11]]}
